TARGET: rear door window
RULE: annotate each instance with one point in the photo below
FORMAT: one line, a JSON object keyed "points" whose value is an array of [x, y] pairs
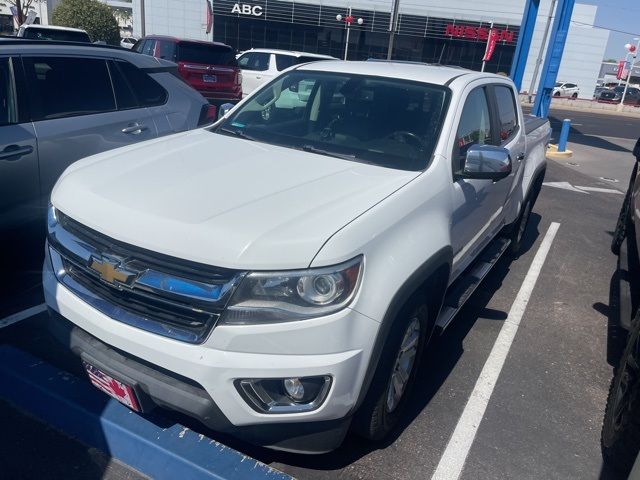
{"points": [[53, 34], [55, 94], [167, 50], [257, 61], [148, 47], [285, 61], [507, 113], [206, 54], [147, 91]]}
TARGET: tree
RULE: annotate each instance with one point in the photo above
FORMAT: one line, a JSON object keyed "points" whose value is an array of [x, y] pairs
{"points": [[91, 15], [22, 7]]}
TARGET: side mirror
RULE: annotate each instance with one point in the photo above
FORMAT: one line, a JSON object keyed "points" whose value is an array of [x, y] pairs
{"points": [[486, 162], [636, 150], [224, 109]]}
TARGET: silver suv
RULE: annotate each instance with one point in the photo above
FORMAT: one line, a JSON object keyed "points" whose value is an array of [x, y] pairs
{"points": [[62, 101]]}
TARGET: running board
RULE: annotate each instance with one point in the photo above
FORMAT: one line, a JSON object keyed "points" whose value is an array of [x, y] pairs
{"points": [[460, 291]]}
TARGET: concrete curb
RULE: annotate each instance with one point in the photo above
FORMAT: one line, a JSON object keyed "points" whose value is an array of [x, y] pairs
{"points": [[554, 154], [81, 411]]}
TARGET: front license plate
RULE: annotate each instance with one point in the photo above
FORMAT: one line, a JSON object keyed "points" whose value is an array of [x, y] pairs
{"points": [[210, 78], [112, 387]]}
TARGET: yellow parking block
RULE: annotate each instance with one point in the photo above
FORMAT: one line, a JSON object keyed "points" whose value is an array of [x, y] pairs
{"points": [[554, 154]]}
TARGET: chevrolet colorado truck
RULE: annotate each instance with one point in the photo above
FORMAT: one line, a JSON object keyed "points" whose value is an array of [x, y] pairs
{"points": [[277, 275]]}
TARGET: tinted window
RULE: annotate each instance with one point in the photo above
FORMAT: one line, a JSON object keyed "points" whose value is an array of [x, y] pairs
{"points": [[147, 49], [147, 91], [52, 34], [474, 127], [258, 61], [139, 46], [388, 122], [284, 61], [125, 97], [8, 110], [68, 86], [209, 54], [506, 112], [310, 59], [167, 50]]}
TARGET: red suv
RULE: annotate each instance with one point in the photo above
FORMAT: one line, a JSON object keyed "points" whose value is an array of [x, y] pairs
{"points": [[209, 67]]}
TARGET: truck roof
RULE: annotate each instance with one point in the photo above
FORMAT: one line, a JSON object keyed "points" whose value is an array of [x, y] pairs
{"points": [[420, 72]]}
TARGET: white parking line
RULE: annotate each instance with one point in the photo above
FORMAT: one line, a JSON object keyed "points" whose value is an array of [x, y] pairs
{"points": [[601, 190], [23, 315], [453, 459]]}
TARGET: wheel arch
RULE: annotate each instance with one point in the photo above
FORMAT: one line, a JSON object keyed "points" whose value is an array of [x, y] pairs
{"points": [[429, 279]]}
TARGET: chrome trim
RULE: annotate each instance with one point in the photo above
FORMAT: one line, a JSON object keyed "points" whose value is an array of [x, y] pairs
{"points": [[124, 276], [257, 400], [113, 311]]}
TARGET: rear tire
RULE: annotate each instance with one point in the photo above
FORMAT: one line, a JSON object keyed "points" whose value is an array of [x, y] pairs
{"points": [[574, 96], [621, 426], [387, 396], [557, 94]]}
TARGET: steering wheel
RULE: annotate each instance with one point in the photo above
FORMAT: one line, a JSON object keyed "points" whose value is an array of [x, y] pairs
{"points": [[404, 136]]}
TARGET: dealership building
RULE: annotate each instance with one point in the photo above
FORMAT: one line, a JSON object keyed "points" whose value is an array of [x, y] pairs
{"points": [[452, 32]]}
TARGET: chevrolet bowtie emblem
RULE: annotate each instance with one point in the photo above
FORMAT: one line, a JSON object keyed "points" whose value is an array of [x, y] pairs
{"points": [[110, 271]]}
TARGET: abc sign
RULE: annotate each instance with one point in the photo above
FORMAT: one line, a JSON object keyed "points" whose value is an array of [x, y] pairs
{"points": [[244, 9]]}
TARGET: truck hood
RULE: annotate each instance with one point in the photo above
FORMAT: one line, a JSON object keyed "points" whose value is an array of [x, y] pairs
{"points": [[221, 200]]}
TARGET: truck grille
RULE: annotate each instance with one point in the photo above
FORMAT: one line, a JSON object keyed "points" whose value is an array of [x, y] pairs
{"points": [[165, 295]]}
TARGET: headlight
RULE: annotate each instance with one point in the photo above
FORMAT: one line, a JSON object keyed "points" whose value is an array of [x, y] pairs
{"points": [[268, 297]]}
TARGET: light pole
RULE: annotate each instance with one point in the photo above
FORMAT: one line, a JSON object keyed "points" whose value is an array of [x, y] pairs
{"points": [[633, 62], [348, 20], [393, 27]]}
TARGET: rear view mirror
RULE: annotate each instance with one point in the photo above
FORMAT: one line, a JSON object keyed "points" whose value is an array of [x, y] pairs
{"points": [[636, 150], [224, 109], [487, 162]]}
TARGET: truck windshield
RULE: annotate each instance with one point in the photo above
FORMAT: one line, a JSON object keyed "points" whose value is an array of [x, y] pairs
{"points": [[384, 121]]}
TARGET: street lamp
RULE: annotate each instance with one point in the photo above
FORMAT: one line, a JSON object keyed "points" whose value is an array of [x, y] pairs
{"points": [[348, 20], [633, 49]]}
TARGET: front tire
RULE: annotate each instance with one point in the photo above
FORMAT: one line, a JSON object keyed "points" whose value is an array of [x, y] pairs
{"points": [[621, 426], [395, 375]]}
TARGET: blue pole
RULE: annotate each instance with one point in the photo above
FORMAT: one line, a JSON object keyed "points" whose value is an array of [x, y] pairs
{"points": [[524, 42], [564, 135], [555, 48]]}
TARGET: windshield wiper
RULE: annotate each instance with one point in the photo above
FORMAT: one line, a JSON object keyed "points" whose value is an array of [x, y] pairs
{"points": [[237, 133], [320, 151]]}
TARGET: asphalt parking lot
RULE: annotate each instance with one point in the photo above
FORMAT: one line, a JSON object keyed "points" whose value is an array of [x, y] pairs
{"points": [[544, 415]]}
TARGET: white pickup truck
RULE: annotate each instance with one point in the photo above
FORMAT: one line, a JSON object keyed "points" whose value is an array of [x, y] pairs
{"points": [[278, 274]]}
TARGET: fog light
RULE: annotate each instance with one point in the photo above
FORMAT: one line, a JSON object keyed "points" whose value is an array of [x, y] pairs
{"points": [[284, 395], [294, 389]]}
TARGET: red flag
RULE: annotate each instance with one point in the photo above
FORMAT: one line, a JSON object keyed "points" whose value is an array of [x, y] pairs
{"points": [[491, 44], [209, 17]]}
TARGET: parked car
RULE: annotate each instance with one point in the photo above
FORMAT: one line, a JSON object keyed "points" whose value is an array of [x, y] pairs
{"points": [[209, 67], [128, 42], [621, 426], [614, 95], [279, 274], [53, 32], [598, 91], [48, 120], [261, 65], [566, 89]]}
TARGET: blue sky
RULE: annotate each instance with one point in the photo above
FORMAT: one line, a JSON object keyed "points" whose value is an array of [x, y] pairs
{"points": [[621, 15]]}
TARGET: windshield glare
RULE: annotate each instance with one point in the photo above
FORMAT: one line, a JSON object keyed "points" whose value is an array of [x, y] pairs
{"points": [[388, 122]]}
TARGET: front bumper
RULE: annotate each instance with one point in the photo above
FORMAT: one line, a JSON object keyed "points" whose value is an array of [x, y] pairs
{"points": [[338, 345]]}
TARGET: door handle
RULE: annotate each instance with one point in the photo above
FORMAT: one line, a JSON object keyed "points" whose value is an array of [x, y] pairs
{"points": [[134, 129], [14, 152], [258, 77]]}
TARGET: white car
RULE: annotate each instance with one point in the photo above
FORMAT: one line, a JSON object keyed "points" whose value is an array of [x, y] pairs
{"points": [[260, 65], [566, 89], [53, 32], [278, 275], [128, 42]]}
